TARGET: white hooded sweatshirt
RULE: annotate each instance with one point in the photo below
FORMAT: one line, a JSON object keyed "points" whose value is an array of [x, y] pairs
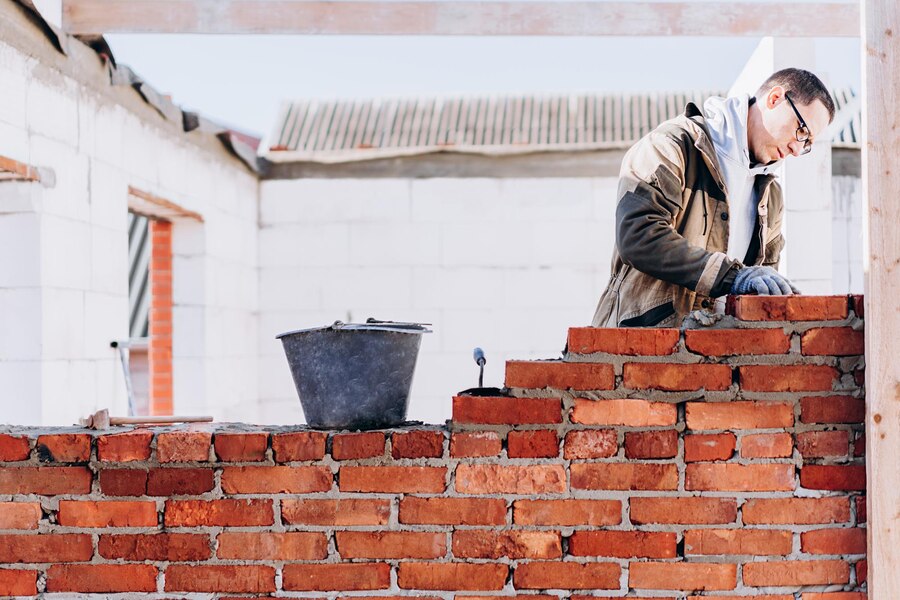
{"points": [[726, 119]]}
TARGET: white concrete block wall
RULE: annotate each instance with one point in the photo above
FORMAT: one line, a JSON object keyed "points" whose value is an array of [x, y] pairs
{"points": [[63, 254], [847, 230], [504, 264]]}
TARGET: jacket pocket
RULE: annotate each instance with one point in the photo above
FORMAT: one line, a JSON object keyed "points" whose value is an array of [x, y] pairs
{"points": [[652, 317]]}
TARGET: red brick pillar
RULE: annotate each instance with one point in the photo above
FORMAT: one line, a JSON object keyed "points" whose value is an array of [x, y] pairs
{"points": [[160, 317]]}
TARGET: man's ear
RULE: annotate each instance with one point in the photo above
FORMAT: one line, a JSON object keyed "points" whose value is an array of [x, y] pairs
{"points": [[774, 97]]}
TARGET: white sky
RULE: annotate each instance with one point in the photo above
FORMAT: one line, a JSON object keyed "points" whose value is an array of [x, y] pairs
{"points": [[241, 80]]}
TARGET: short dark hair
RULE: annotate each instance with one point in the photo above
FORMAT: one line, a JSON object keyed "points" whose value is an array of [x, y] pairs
{"points": [[805, 88]]}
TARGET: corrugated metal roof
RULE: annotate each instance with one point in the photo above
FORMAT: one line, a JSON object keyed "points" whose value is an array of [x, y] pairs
{"points": [[349, 129]]}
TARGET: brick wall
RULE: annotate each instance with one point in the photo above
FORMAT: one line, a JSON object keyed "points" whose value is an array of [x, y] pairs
{"points": [[724, 463], [160, 319]]}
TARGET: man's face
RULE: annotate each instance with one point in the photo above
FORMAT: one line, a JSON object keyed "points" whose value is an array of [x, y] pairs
{"points": [[774, 135]]}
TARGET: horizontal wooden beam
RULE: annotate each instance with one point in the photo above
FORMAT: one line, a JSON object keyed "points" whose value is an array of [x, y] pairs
{"points": [[446, 17]]}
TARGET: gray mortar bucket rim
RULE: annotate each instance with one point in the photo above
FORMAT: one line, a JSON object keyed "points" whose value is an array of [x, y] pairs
{"points": [[392, 326]]}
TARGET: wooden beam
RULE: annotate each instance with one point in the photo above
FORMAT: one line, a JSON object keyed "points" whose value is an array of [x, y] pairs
{"points": [[156, 207], [881, 180], [454, 17]]}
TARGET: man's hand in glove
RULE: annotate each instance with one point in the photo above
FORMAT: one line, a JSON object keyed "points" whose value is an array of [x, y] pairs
{"points": [[764, 281]]}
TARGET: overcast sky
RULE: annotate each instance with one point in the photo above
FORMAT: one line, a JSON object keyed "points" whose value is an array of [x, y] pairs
{"points": [[242, 80]]}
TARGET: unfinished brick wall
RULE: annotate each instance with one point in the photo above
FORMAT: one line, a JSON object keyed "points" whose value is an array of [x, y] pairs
{"points": [[723, 463]]}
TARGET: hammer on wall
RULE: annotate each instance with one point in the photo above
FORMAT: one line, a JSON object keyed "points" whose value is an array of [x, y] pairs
{"points": [[102, 420]]}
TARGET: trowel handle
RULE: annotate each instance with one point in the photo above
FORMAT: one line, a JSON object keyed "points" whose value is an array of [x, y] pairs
{"points": [[478, 355], [157, 420]]}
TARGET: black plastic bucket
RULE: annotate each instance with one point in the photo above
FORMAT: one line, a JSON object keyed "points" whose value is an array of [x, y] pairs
{"points": [[354, 376]]}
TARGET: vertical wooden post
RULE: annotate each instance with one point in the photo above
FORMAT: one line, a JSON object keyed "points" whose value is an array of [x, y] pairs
{"points": [[881, 185]]}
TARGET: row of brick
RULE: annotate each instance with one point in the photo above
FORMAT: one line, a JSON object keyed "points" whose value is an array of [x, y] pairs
{"points": [[414, 510], [471, 543], [196, 446], [671, 377], [100, 578], [819, 341], [794, 308], [469, 479], [627, 412]]}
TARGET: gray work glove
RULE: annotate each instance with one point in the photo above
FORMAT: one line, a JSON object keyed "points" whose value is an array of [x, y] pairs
{"points": [[764, 281]]}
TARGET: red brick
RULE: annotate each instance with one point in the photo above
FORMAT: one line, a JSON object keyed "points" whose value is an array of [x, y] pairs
{"points": [[350, 446], [125, 447], [566, 576], [304, 445], [559, 375], [452, 511], [183, 446], [123, 482], [86, 513], [45, 548], [788, 308], [101, 578], [417, 444], [45, 481], [820, 444], [177, 482], [220, 578], [763, 542], [796, 511], [506, 411], [346, 511], [293, 545], [390, 544], [511, 544], [64, 447], [16, 582], [739, 415], [709, 447], [675, 378], [176, 547], [482, 443], [451, 576], [860, 503], [616, 340], [683, 511], [682, 576], [767, 445], [651, 444], [832, 409], [739, 478], [567, 512], [858, 304], [862, 571], [627, 412], [623, 544], [791, 378], [336, 577], [276, 480], [241, 447], [591, 443], [794, 572], [859, 445], [502, 479], [859, 377], [833, 596], [19, 515], [834, 541], [833, 477], [623, 476], [219, 513], [14, 447], [393, 480], [731, 342], [833, 341], [540, 443]]}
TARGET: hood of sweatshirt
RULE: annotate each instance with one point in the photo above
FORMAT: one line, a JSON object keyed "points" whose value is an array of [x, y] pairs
{"points": [[726, 120]]}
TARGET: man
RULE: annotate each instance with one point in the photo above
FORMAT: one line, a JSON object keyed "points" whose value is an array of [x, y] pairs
{"points": [[699, 213]]}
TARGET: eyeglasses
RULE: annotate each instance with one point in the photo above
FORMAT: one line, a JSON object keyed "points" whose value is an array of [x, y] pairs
{"points": [[802, 133]]}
